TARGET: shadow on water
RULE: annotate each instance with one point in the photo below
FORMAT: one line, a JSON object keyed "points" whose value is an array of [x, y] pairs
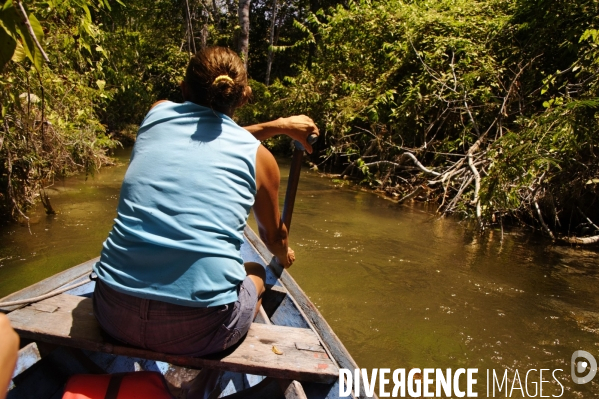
{"points": [[401, 287]]}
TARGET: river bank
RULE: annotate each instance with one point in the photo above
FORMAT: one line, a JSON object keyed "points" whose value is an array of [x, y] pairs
{"points": [[584, 234]]}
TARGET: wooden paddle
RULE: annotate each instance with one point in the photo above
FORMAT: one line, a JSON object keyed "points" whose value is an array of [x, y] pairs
{"points": [[293, 181]]}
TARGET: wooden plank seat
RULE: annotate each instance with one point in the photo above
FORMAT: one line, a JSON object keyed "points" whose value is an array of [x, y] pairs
{"points": [[68, 320]]}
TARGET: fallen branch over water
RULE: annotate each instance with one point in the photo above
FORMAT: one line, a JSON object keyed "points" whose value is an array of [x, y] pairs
{"points": [[418, 164], [581, 240]]}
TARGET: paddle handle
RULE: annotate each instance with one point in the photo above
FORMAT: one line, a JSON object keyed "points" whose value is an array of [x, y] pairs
{"points": [[313, 138], [293, 181]]}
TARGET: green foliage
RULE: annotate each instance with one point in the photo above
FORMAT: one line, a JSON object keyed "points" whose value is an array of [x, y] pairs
{"points": [[109, 61], [15, 35], [514, 83], [49, 121], [500, 97]]}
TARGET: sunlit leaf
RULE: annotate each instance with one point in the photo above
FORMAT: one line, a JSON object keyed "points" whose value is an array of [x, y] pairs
{"points": [[86, 46], [88, 14], [19, 54], [38, 59], [16, 27]]}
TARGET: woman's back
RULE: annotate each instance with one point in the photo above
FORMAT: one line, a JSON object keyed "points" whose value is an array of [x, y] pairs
{"points": [[183, 206]]}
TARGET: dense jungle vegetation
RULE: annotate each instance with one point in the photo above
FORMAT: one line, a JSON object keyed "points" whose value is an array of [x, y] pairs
{"points": [[489, 109]]}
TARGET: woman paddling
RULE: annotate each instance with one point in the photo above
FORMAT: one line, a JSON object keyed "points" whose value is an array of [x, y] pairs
{"points": [[171, 278]]}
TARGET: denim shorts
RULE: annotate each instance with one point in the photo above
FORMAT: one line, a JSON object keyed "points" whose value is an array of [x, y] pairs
{"points": [[174, 329]]}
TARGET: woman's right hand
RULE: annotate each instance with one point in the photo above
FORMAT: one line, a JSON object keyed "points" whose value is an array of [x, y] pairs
{"points": [[288, 260]]}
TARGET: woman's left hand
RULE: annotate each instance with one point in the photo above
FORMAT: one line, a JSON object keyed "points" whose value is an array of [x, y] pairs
{"points": [[298, 127]]}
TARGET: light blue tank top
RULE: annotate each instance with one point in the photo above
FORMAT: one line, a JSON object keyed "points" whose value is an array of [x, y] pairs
{"points": [[183, 206]]}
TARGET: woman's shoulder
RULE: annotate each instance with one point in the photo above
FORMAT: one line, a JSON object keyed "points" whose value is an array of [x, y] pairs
{"points": [[166, 110], [159, 102], [187, 106], [160, 107]]}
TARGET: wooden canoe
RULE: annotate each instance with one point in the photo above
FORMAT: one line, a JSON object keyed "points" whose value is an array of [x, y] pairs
{"points": [[289, 352]]}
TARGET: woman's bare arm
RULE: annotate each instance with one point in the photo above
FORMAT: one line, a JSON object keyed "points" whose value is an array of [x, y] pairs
{"points": [[298, 127], [266, 208]]}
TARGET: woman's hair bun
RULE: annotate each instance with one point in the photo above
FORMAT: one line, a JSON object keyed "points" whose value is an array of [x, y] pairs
{"points": [[216, 77]]}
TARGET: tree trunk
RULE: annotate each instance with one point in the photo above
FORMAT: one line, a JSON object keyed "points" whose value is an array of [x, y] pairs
{"points": [[272, 41], [244, 35], [216, 15], [191, 39]]}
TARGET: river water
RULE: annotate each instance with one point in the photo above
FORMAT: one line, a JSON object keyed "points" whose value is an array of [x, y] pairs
{"points": [[401, 287]]}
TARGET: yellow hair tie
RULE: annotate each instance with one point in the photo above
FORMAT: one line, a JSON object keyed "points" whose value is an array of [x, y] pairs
{"points": [[222, 77]]}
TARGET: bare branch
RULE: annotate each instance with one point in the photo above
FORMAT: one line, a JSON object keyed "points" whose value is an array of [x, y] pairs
{"points": [[455, 79], [581, 240], [429, 69], [512, 84], [394, 164], [587, 218], [419, 165], [545, 227], [476, 175], [370, 148], [4, 134], [457, 197], [474, 124], [191, 37], [21, 11], [476, 200]]}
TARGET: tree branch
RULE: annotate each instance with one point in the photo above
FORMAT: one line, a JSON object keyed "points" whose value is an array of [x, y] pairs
{"points": [[587, 218], [545, 227], [418, 164], [457, 197], [476, 200], [581, 240], [21, 10]]}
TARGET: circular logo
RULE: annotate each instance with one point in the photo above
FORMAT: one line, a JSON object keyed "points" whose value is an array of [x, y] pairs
{"points": [[582, 365]]}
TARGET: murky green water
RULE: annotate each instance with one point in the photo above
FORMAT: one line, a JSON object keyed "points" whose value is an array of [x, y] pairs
{"points": [[86, 209], [401, 287], [404, 288]]}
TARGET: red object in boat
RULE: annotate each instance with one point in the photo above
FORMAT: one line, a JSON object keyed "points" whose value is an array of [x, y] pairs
{"points": [[138, 385]]}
